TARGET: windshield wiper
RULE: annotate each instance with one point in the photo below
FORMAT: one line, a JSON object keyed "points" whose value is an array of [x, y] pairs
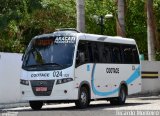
{"points": [[31, 66], [49, 64], [53, 64]]}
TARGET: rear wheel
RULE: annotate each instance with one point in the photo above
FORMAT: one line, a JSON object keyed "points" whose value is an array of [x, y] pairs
{"points": [[83, 100], [122, 97], [36, 105]]}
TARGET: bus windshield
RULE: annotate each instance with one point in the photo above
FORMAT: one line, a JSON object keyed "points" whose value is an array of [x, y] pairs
{"points": [[48, 53]]}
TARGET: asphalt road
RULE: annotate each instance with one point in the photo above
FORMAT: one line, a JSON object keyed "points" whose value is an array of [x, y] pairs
{"points": [[140, 106]]}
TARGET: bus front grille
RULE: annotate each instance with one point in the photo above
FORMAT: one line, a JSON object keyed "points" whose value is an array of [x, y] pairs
{"points": [[42, 87]]}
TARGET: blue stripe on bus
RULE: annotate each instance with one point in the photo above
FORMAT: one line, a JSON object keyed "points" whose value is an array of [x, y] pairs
{"points": [[133, 77]]}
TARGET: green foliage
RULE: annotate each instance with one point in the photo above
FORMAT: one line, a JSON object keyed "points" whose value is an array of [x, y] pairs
{"points": [[100, 8], [136, 25], [23, 19], [20, 20]]}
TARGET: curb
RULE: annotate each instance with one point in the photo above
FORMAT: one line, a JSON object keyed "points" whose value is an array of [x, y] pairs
{"points": [[13, 105], [146, 94]]}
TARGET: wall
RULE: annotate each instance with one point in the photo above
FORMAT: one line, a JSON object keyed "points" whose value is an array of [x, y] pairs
{"points": [[10, 65], [151, 83]]}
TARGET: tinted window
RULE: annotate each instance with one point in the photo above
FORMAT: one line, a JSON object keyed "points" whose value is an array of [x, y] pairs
{"points": [[107, 54], [90, 53], [116, 54], [100, 52], [95, 49], [130, 54], [135, 55], [84, 53], [127, 54], [104, 53]]}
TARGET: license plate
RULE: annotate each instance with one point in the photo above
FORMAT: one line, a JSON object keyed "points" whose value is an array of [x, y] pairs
{"points": [[41, 89]]}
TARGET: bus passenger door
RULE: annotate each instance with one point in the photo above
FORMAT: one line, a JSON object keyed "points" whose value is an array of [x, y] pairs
{"points": [[84, 64]]}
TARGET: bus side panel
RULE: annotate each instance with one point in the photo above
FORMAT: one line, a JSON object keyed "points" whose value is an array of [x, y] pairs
{"points": [[83, 73], [103, 82], [105, 79], [135, 87]]}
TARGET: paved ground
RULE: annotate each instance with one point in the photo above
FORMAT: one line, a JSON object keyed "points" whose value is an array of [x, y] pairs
{"points": [[134, 106]]}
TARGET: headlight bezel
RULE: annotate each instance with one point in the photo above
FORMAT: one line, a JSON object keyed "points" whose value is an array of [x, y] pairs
{"points": [[24, 82], [64, 80]]}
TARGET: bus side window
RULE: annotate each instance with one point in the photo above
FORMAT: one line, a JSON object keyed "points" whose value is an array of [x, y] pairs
{"points": [[83, 55], [90, 53], [135, 55], [107, 54], [116, 54], [128, 57], [80, 58], [104, 53], [95, 50]]}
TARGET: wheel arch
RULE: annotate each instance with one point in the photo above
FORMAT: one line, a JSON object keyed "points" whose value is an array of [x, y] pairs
{"points": [[123, 83], [87, 85]]}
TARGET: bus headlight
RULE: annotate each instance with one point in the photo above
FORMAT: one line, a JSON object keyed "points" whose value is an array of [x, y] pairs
{"points": [[24, 82], [65, 80]]}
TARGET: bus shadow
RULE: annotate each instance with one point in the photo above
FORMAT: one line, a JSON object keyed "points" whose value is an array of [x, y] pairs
{"points": [[109, 106], [91, 107]]}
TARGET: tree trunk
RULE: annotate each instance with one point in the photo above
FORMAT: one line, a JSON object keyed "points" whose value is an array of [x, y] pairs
{"points": [[151, 35], [80, 6], [121, 18]]}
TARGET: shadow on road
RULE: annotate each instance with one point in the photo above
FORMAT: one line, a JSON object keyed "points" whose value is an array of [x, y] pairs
{"points": [[150, 98], [109, 106], [92, 107]]}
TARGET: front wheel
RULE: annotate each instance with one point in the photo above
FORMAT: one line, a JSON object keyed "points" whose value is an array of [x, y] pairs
{"points": [[83, 100], [36, 105], [120, 100]]}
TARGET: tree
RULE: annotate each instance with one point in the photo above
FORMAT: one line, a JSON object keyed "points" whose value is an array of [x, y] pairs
{"points": [[20, 20], [80, 6], [151, 36], [121, 18]]}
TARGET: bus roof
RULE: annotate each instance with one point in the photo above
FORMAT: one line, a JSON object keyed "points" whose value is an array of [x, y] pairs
{"points": [[103, 38], [94, 37]]}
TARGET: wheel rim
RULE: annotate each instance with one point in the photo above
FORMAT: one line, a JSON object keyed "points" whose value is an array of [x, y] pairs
{"points": [[83, 97]]}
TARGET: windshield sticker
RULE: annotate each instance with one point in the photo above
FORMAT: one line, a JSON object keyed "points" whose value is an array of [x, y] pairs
{"points": [[88, 67]]}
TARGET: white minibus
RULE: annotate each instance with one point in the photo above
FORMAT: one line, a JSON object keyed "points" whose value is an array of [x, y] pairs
{"points": [[69, 66]]}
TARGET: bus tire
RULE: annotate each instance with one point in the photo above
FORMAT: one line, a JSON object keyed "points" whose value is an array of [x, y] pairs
{"points": [[120, 100], [36, 105], [83, 99]]}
